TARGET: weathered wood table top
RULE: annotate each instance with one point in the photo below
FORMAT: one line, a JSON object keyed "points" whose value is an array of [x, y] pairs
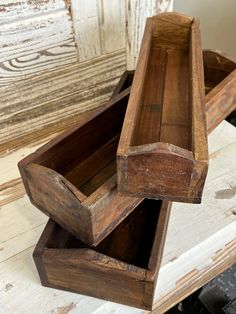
{"points": [[201, 239]]}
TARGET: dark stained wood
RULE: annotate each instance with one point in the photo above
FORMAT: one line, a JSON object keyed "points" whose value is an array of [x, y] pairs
{"points": [[123, 268], [73, 180], [124, 82], [220, 82], [163, 151], [151, 111]]}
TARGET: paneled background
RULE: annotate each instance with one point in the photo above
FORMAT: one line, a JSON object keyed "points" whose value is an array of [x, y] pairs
{"points": [[59, 58]]}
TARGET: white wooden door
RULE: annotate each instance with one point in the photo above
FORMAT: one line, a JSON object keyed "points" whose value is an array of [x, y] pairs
{"points": [[59, 58]]}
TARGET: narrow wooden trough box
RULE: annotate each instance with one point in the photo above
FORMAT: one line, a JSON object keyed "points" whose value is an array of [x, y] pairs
{"points": [[73, 178], [123, 268], [163, 151]]}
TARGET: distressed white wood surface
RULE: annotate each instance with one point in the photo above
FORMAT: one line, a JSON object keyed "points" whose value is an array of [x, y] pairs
{"points": [[43, 35], [99, 27], [37, 102], [86, 27], [59, 58], [137, 12], [34, 36], [112, 22], [201, 240]]}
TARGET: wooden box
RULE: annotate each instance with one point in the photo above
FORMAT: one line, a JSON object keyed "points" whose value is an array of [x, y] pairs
{"points": [[73, 177], [220, 84], [163, 151], [123, 268]]}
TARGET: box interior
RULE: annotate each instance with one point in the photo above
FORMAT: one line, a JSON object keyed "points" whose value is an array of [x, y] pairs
{"points": [[164, 109], [130, 242], [87, 157]]}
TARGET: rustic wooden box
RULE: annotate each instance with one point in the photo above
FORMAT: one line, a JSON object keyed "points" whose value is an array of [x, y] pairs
{"points": [[73, 178], [163, 151], [123, 268]]}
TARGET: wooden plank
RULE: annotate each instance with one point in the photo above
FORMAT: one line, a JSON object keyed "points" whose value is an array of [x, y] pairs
{"points": [[19, 220], [13, 10], [86, 28], [137, 12], [47, 133], [9, 170], [35, 36], [20, 272], [136, 17], [43, 100], [112, 25], [221, 137], [208, 259]]}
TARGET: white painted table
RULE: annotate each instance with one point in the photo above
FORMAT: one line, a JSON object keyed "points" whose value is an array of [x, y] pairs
{"points": [[201, 240]]}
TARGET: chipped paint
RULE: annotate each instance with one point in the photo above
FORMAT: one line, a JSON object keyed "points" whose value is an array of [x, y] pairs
{"points": [[8, 287], [33, 28], [64, 309], [225, 193]]}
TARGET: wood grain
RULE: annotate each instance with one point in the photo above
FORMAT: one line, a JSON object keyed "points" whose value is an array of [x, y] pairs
{"points": [[35, 36], [151, 111], [78, 175], [163, 150], [86, 26], [46, 100], [197, 277]]}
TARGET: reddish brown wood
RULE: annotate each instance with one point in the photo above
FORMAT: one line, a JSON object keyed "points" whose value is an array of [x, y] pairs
{"points": [[73, 178], [123, 268], [163, 150], [220, 82], [220, 86]]}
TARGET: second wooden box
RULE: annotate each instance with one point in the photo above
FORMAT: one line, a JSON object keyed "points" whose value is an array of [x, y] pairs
{"points": [[123, 268], [163, 151]]}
